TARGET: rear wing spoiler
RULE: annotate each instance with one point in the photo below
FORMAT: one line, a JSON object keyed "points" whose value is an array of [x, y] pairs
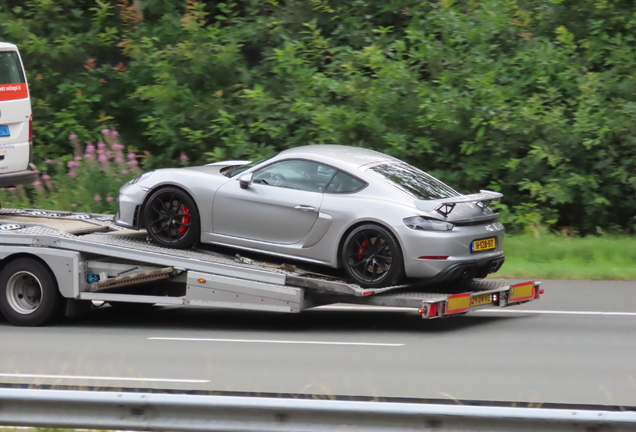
{"points": [[445, 206]]}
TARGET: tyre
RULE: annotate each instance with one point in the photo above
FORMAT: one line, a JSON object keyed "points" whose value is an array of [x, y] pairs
{"points": [[372, 257], [172, 219], [29, 295]]}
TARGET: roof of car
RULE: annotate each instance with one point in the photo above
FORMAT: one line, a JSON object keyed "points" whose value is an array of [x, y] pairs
{"points": [[7, 45], [338, 154]]}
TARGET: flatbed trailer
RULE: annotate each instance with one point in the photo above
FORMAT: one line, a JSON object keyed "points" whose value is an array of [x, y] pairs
{"points": [[53, 260]]}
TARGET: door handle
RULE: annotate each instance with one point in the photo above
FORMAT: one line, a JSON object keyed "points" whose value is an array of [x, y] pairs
{"points": [[305, 208]]}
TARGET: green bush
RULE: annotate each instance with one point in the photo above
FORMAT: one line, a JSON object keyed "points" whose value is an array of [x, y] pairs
{"points": [[86, 181], [532, 98]]}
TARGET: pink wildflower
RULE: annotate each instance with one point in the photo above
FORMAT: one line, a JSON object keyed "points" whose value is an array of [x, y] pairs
{"points": [[12, 189], [132, 156], [184, 157], [118, 146], [37, 183], [114, 133], [48, 161], [101, 145], [46, 176], [71, 164], [72, 174], [72, 137], [97, 197], [105, 131], [109, 198], [123, 172], [102, 158], [78, 158], [90, 149], [132, 162], [119, 160]]}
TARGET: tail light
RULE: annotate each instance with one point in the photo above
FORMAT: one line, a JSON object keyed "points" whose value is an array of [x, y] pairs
{"points": [[30, 138]]}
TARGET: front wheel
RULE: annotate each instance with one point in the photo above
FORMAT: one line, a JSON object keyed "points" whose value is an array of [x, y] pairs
{"points": [[29, 294], [171, 218], [372, 257]]}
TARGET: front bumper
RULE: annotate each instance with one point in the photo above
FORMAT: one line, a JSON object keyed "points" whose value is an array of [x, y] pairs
{"points": [[128, 206]]}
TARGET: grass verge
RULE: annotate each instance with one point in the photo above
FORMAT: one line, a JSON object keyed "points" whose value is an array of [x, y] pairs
{"points": [[554, 256]]}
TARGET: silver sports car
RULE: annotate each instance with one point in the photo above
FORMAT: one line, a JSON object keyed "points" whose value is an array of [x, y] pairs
{"points": [[380, 218]]}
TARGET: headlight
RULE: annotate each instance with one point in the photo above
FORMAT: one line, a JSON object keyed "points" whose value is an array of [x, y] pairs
{"points": [[140, 178], [421, 223]]}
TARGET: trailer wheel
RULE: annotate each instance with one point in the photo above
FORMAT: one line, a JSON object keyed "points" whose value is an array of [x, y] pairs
{"points": [[171, 218], [29, 295]]}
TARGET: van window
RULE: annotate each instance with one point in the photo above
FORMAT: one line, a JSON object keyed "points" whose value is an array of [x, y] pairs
{"points": [[10, 69]]}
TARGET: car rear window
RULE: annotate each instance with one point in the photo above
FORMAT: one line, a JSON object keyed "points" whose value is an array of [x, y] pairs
{"points": [[10, 68], [413, 181]]}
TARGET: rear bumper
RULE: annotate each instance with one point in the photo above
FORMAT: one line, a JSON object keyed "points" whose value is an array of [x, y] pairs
{"points": [[468, 271], [19, 177]]}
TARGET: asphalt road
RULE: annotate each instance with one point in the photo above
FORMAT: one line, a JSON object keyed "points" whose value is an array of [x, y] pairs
{"points": [[577, 345]]}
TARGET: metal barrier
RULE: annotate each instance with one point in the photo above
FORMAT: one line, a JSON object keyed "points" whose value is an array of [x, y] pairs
{"points": [[167, 412]]}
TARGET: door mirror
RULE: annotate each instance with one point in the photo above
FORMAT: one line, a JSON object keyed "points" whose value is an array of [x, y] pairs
{"points": [[245, 180]]}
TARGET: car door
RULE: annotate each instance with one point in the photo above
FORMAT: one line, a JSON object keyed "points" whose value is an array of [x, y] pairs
{"points": [[280, 205]]}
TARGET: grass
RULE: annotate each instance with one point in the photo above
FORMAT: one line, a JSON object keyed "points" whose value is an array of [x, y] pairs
{"points": [[553, 256]]}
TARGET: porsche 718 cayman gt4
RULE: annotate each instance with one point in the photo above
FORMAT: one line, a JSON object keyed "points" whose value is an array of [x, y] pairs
{"points": [[379, 218]]}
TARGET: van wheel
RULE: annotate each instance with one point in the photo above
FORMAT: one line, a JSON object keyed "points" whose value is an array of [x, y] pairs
{"points": [[29, 295]]}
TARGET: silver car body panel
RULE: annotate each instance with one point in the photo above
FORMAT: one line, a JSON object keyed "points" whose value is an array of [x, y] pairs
{"points": [[309, 225]]}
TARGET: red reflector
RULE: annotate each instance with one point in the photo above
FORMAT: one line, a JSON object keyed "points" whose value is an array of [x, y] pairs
{"points": [[433, 257], [421, 311], [367, 293], [432, 310], [542, 291]]}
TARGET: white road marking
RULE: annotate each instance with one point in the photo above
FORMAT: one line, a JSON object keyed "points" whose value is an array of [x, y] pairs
{"points": [[557, 312], [101, 378], [277, 341]]}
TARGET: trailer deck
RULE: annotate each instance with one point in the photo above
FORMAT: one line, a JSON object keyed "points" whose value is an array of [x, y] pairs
{"points": [[93, 259]]}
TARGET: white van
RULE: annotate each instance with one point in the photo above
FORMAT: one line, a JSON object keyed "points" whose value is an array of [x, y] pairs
{"points": [[16, 128]]}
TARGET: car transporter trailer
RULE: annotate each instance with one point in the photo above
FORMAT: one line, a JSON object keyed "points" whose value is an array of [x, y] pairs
{"points": [[55, 260]]}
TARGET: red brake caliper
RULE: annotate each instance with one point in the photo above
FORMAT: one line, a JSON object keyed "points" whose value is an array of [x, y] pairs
{"points": [[361, 249], [184, 220]]}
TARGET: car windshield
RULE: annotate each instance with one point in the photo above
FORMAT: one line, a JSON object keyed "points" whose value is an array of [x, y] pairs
{"points": [[10, 69], [413, 181], [237, 169]]}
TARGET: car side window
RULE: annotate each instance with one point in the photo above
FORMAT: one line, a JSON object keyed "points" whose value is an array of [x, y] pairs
{"points": [[295, 174], [344, 183]]}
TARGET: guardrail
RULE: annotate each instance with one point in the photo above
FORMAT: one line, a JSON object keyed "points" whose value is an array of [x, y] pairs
{"points": [[168, 412]]}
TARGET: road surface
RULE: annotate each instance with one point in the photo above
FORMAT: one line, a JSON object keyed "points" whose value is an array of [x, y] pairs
{"points": [[577, 345]]}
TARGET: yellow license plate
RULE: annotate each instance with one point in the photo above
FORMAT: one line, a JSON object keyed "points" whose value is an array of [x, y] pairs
{"points": [[481, 299], [484, 244]]}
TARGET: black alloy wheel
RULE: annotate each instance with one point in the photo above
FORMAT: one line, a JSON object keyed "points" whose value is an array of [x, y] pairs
{"points": [[29, 294], [372, 257], [172, 219]]}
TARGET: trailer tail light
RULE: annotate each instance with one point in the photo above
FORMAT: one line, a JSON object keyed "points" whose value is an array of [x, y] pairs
{"points": [[432, 310], [522, 292], [458, 303]]}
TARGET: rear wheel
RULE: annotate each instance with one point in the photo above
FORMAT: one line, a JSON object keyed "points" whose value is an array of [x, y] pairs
{"points": [[372, 257], [29, 294], [172, 219]]}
